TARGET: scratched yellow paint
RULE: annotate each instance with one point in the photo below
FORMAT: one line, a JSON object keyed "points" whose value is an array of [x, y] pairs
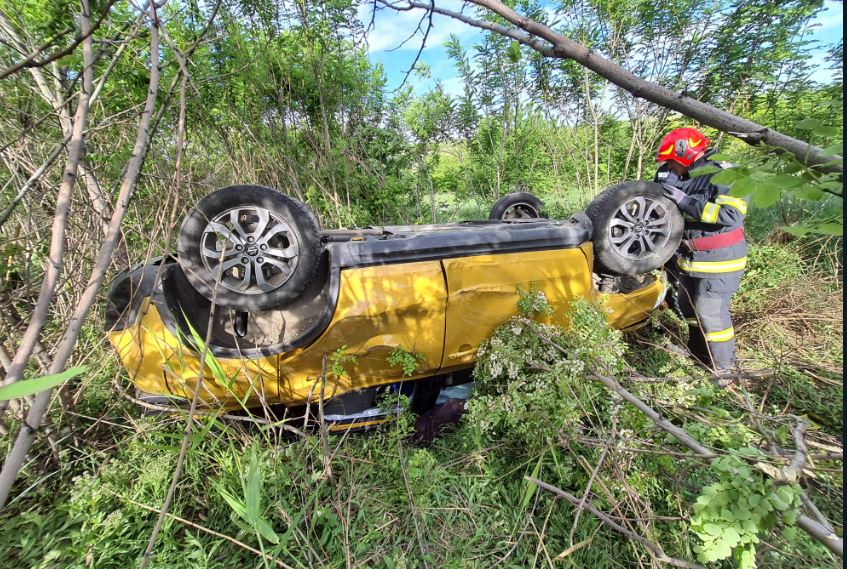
{"points": [[439, 309]]}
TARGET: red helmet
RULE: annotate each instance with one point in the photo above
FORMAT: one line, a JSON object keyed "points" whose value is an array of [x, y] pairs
{"points": [[683, 145]]}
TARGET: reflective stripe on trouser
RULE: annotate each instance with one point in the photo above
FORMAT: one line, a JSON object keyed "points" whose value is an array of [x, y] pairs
{"points": [[705, 305], [712, 267]]}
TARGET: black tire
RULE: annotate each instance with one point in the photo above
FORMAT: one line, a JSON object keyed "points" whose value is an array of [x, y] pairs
{"points": [[652, 236], [519, 205], [283, 246]]}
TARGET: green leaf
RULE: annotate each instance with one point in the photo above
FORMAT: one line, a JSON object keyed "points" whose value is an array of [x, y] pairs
{"points": [[792, 167], [826, 130], [786, 493], [785, 180], [731, 536], [765, 195], [789, 517], [264, 529], [217, 371], [722, 550], [27, 387], [742, 187], [779, 503], [747, 558], [712, 529], [798, 230], [531, 488], [741, 515], [721, 158], [703, 170], [750, 526], [726, 177], [809, 193], [253, 490], [833, 149], [830, 229], [790, 534], [237, 506], [514, 52], [807, 124]]}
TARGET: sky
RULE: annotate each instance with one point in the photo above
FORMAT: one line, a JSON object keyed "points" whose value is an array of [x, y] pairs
{"points": [[391, 29]]}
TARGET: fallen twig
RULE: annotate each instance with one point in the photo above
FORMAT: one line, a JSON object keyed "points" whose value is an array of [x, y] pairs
{"points": [[814, 528], [654, 549], [587, 491], [792, 473]]}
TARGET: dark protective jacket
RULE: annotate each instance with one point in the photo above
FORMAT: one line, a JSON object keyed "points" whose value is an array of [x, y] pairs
{"points": [[708, 210]]}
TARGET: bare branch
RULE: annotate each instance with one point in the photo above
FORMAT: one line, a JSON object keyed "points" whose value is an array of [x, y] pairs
{"points": [[76, 150], [26, 435], [792, 473], [54, 154], [815, 529], [428, 16], [654, 549]]}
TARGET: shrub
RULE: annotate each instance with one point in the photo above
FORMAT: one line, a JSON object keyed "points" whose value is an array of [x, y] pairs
{"points": [[529, 391]]}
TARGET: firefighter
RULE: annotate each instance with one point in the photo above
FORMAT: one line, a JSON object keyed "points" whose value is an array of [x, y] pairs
{"points": [[713, 252]]}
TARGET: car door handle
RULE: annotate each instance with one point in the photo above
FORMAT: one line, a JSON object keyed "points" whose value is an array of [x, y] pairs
{"points": [[461, 354]]}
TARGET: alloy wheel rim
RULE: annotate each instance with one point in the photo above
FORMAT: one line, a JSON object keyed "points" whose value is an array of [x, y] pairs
{"points": [[521, 210], [250, 250], [639, 228]]}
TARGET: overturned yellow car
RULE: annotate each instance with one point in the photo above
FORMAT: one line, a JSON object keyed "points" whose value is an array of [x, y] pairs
{"points": [[276, 297]]}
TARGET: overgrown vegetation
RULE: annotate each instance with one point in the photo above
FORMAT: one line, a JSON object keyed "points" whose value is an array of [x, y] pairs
{"points": [[537, 415]]}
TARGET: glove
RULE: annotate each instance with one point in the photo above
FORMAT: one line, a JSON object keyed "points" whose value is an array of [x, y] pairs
{"points": [[674, 194]]}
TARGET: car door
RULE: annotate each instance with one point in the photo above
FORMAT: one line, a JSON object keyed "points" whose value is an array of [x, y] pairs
{"points": [[379, 308], [483, 293]]}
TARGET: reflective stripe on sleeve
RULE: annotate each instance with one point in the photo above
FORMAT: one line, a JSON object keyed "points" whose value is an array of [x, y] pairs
{"points": [[737, 203], [711, 266], [722, 336], [710, 213]]}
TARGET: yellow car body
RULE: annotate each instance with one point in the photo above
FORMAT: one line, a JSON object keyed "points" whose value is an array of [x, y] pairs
{"points": [[438, 301]]}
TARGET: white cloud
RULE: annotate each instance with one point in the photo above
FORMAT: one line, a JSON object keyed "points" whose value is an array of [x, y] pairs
{"points": [[392, 28], [832, 16], [454, 86]]}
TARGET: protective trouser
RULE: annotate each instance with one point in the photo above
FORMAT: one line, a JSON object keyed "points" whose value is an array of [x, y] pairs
{"points": [[705, 305]]}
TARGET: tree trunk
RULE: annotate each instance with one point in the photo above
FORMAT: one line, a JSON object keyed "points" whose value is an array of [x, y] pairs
{"points": [[17, 455]]}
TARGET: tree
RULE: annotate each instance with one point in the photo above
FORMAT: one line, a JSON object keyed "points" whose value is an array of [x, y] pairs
{"points": [[550, 43]]}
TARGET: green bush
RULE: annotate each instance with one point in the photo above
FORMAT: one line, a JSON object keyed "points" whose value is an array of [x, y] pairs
{"points": [[529, 391]]}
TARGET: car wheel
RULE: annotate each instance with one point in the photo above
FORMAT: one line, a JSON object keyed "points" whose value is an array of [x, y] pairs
{"points": [[519, 205], [636, 229], [249, 247]]}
